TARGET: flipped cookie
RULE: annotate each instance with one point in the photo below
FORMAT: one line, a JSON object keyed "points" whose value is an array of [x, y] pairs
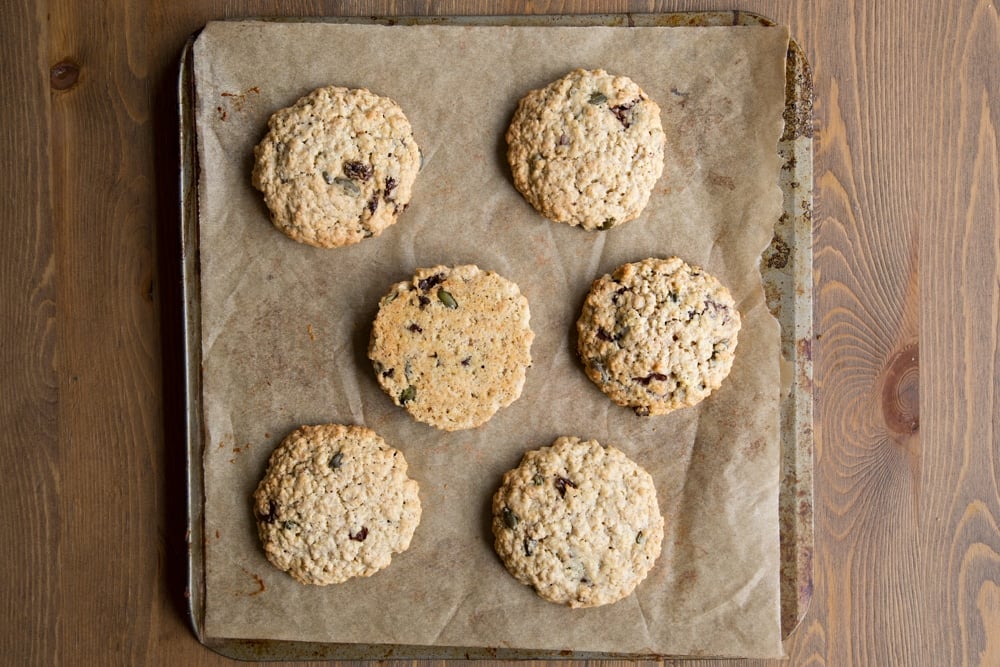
{"points": [[658, 335], [335, 503], [336, 167], [452, 345], [587, 149], [579, 522]]}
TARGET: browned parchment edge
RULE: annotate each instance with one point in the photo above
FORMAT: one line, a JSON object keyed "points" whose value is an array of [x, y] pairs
{"points": [[786, 270]]}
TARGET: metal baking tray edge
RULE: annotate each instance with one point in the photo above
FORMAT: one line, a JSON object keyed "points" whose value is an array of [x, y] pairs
{"points": [[786, 270]]}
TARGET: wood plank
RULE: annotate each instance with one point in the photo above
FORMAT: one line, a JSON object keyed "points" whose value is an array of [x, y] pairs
{"points": [[29, 443], [109, 413], [867, 465], [959, 216]]}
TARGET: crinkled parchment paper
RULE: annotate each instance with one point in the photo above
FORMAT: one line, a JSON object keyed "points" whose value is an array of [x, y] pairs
{"points": [[285, 330]]}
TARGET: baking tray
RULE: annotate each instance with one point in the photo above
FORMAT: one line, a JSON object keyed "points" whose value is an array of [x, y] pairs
{"points": [[786, 269]]}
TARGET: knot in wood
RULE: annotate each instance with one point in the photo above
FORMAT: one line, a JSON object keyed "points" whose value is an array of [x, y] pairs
{"points": [[901, 391], [64, 75]]}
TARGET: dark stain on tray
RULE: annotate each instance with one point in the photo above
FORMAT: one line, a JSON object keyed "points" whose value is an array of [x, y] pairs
{"points": [[798, 114], [778, 253], [721, 181], [755, 448]]}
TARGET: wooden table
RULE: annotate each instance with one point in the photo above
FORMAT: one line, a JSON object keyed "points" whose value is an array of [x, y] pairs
{"points": [[906, 350]]}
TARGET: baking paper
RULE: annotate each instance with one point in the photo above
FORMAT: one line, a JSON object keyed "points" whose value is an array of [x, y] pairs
{"points": [[285, 330]]}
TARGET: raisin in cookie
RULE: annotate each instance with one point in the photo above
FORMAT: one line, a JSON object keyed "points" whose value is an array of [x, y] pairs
{"points": [[587, 149], [452, 345], [336, 167], [579, 522], [658, 335], [335, 503]]}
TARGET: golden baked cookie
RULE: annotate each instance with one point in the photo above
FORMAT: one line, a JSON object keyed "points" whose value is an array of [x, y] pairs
{"points": [[337, 166], [587, 149], [579, 522], [452, 345], [658, 335], [335, 503]]}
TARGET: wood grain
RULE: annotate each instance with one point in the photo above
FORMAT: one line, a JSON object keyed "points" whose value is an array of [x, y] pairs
{"points": [[960, 399], [865, 265], [29, 441], [907, 241], [109, 402]]}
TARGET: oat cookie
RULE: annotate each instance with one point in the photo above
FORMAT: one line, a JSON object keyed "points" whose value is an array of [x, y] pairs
{"points": [[452, 345], [579, 522], [335, 503], [587, 149], [658, 335], [337, 166]]}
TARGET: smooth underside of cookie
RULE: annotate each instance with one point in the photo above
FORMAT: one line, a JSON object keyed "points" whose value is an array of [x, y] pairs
{"points": [[658, 335], [587, 149], [336, 167], [452, 345], [579, 522], [335, 503]]}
